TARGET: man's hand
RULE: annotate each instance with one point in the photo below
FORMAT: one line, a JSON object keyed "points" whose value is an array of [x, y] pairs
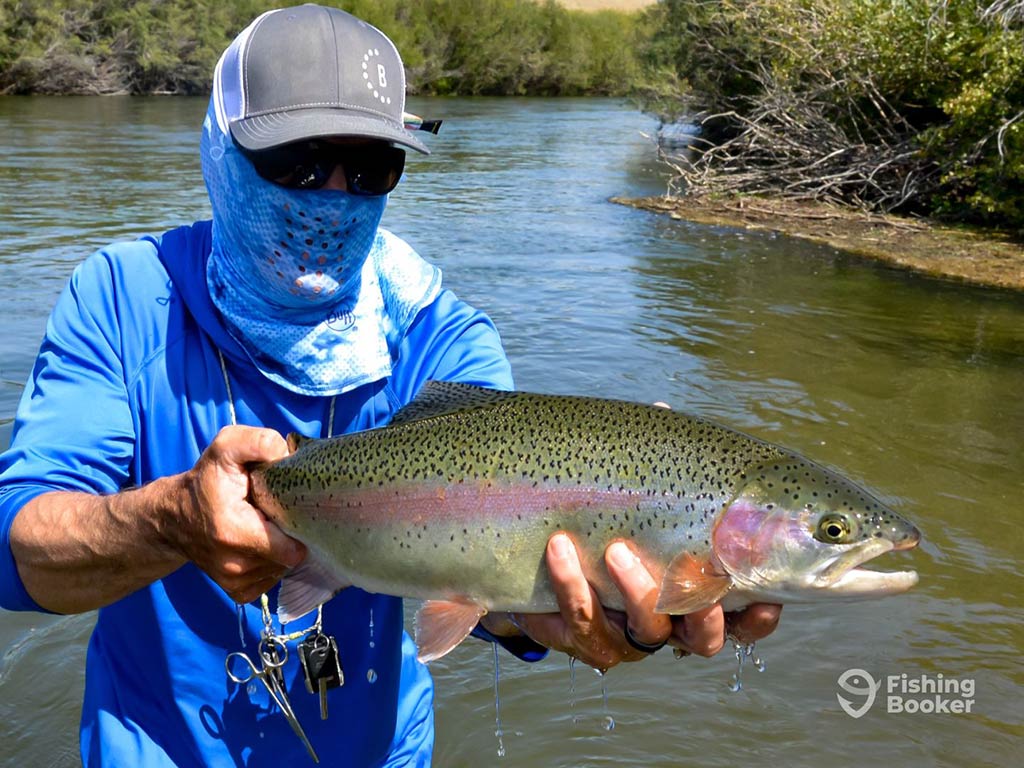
{"points": [[79, 551], [219, 530], [585, 630]]}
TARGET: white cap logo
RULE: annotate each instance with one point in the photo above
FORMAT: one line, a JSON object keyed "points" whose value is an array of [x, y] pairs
{"points": [[376, 81]]}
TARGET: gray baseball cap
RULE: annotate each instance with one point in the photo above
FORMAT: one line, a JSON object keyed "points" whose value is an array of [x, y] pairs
{"points": [[308, 71]]}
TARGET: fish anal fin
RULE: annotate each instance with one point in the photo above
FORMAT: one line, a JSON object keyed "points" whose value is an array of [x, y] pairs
{"points": [[306, 587], [690, 584], [443, 624]]}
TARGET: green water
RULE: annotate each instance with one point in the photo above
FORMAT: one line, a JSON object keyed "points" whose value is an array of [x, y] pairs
{"points": [[912, 386]]}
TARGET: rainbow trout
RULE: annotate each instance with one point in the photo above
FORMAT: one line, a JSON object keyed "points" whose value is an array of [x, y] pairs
{"points": [[455, 500]]}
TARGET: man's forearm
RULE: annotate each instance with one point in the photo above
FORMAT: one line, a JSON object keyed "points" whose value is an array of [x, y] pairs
{"points": [[79, 551]]}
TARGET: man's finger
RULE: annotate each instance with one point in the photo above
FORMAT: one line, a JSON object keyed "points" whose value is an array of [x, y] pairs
{"points": [[243, 445], [251, 591], [548, 629], [754, 622], [702, 632], [282, 548], [587, 634], [576, 599], [254, 534], [640, 592]]}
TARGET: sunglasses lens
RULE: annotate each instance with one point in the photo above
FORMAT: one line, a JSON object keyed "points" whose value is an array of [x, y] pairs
{"points": [[369, 169], [279, 162], [374, 171]]}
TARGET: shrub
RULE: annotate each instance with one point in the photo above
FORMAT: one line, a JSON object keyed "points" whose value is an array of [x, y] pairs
{"points": [[469, 47], [912, 105]]}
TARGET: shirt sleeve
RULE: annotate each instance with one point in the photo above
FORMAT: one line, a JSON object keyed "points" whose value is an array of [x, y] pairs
{"points": [[73, 429], [451, 341]]}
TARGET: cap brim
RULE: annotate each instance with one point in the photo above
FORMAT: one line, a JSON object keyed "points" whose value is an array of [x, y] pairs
{"points": [[267, 131]]}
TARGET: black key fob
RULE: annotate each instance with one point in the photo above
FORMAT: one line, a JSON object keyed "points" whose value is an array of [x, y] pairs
{"points": [[321, 662]]}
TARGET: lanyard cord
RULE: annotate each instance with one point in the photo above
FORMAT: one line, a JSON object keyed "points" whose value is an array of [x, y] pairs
{"points": [[267, 621], [227, 387], [231, 397]]}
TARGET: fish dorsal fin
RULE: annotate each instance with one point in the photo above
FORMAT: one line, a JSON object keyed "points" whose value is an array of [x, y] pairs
{"points": [[437, 398]]}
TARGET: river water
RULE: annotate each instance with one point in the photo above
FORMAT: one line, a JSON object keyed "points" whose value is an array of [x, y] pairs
{"points": [[910, 385]]}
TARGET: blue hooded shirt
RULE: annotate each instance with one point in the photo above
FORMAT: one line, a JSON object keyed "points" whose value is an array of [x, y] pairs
{"points": [[128, 387]]}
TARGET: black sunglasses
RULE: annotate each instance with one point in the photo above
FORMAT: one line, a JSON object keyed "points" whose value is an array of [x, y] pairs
{"points": [[370, 169]]}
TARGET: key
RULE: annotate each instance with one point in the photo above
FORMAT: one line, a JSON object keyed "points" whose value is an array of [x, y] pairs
{"points": [[321, 667]]}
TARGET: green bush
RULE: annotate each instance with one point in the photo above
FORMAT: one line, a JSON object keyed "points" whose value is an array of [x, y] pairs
{"points": [[469, 47], [926, 96]]}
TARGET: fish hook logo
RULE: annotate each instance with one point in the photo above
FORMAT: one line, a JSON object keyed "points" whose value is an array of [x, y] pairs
{"points": [[850, 681]]}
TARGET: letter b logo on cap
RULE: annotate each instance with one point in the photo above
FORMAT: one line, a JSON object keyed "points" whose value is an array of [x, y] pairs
{"points": [[382, 76]]}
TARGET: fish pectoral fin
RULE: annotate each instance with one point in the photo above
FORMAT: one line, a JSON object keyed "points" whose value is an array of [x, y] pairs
{"points": [[690, 584], [311, 584], [443, 624]]}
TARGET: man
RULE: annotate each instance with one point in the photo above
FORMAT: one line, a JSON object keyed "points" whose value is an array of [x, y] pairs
{"points": [[171, 364]]}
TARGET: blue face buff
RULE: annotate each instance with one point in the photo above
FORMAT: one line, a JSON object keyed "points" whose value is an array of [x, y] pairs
{"points": [[301, 276]]}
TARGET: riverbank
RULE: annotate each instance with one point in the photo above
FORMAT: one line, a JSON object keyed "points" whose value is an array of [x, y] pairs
{"points": [[982, 258]]}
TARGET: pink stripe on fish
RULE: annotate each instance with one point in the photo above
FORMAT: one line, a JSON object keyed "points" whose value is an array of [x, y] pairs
{"points": [[464, 503]]}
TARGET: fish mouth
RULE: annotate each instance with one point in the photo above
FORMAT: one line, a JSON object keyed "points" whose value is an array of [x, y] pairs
{"points": [[863, 582], [844, 578]]}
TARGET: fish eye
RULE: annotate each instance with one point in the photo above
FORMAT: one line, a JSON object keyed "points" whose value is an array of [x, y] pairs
{"points": [[833, 529]]}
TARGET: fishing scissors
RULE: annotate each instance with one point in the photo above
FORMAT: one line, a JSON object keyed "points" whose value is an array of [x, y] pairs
{"points": [[273, 654]]}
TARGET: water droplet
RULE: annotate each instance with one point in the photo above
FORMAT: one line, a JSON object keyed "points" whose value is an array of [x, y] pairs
{"points": [[572, 688], [609, 721], [372, 644], [742, 652], [737, 677], [757, 661], [371, 676], [497, 705]]}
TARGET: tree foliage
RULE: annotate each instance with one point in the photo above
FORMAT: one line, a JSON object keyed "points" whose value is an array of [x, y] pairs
{"points": [[469, 47], [907, 105]]}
